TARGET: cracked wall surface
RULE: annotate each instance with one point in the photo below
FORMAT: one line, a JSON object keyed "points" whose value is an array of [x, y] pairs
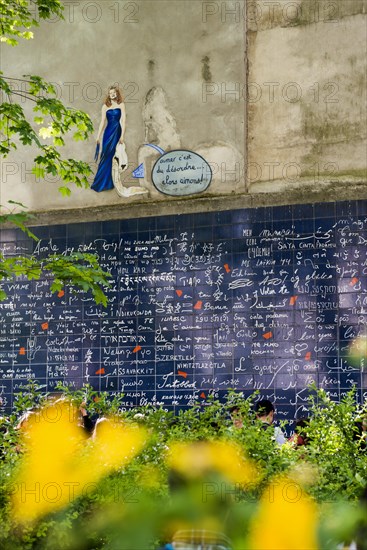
{"points": [[307, 95]]}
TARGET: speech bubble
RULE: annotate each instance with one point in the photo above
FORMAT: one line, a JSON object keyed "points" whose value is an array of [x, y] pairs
{"points": [[180, 173]]}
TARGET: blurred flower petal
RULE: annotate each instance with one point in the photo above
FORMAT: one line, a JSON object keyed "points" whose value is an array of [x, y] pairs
{"points": [[286, 520], [60, 464], [195, 459]]}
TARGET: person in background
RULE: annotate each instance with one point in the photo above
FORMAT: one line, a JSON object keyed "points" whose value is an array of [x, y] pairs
{"points": [[88, 423], [236, 417], [360, 433], [265, 413], [299, 438], [194, 538]]}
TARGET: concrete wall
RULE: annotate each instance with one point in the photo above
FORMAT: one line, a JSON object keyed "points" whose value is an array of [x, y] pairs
{"points": [[182, 65], [307, 94]]}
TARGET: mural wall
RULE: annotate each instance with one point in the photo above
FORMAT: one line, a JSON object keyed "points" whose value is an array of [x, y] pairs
{"points": [[268, 299], [161, 58]]}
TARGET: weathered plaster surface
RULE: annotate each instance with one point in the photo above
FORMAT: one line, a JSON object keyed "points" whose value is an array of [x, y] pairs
{"points": [[307, 95]]}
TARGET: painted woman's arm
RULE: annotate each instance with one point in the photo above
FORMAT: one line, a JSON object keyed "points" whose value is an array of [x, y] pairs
{"points": [[102, 123], [122, 122]]}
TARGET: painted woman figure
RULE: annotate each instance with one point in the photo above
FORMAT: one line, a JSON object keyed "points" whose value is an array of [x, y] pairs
{"points": [[114, 114]]}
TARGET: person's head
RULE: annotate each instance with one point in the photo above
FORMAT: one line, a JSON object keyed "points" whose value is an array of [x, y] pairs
{"points": [[114, 94], [236, 417], [301, 424], [23, 421], [265, 411]]}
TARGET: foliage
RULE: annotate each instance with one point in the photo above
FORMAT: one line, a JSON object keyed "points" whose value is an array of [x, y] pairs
{"points": [[18, 16], [335, 449], [80, 270], [196, 470], [99, 403], [54, 121], [53, 117]]}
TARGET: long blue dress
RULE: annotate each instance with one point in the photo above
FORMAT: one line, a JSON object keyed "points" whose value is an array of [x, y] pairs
{"points": [[103, 178]]}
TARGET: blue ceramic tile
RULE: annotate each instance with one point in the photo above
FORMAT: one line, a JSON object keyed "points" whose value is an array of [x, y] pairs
{"points": [[147, 224], [42, 232], [128, 226], [203, 219], [362, 208], [223, 218], [110, 227], [303, 211], [93, 229], [225, 232], [9, 235], [324, 210], [165, 222], [242, 216], [244, 230], [282, 213], [204, 233], [346, 209], [303, 226], [183, 222]]}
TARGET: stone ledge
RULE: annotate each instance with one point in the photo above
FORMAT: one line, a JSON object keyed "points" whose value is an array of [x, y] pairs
{"points": [[328, 192]]}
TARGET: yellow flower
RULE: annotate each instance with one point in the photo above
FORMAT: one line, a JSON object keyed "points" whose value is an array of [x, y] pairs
{"points": [[60, 464], [195, 459], [115, 444], [286, 520]]}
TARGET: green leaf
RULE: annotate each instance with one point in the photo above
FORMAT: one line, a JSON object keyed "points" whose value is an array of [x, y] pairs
{"points": [[38, 171], [65, 191], [58, 141], [78, 136]]}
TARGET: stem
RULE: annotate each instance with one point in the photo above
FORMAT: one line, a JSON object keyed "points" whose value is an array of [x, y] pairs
{"points": [[22, 95], [19, 79]]}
